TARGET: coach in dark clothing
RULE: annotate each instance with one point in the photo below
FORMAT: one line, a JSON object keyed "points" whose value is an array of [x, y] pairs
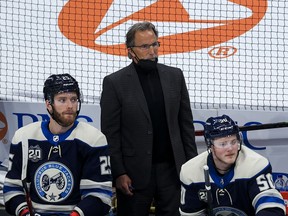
{"points": [[146, 117]]}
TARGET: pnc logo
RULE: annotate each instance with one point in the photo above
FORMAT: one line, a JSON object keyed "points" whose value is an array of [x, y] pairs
{"points": [[3, 126], [184, 26]]}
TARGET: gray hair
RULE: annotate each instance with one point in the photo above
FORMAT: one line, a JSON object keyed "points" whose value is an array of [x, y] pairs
{"points": [[141, 26]]}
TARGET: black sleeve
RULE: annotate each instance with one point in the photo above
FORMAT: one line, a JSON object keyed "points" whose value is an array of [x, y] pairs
{"points": [[271, 212]]}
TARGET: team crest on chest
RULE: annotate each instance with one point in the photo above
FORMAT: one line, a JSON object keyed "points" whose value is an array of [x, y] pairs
{"points": [[53, 182]]}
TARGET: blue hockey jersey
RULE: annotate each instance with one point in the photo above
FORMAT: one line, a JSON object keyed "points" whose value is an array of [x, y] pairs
{"points": [[64, 172], [247, 189]]}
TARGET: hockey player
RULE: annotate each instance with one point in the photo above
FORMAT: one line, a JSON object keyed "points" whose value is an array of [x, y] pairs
{"points": [[64, 162], [241, 183]]}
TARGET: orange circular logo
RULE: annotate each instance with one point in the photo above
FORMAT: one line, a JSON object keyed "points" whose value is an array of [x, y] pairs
{"points": [[3, 126], [89, 22], [222, 52]]}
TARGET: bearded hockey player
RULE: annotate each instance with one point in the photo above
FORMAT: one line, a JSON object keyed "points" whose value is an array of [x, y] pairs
{"points": [[60, 166], [240, 179]]}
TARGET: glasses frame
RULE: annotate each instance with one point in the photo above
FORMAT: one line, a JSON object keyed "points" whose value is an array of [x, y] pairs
{"points": [[145, 47], [226, 145]]}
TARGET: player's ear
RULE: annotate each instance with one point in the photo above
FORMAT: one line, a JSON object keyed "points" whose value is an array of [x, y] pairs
{"points": [[48, 105]]}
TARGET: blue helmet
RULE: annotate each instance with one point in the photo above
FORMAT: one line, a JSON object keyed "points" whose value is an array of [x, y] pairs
{"points": [[220, 126]]}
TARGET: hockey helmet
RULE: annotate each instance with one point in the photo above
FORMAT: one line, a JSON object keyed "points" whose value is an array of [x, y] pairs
{"points": [[59, 83], [220, 126]]}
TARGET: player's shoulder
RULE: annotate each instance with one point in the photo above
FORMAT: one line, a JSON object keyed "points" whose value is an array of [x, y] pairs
{"points": [[28, 129], [248, 156], [196, 161], [192, 170], [250, 163], [90, 134], [31, 126]]}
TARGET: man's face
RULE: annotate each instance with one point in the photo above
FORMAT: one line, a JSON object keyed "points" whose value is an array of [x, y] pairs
{"points": [[65, 108], [225, 151], [144, 38]]}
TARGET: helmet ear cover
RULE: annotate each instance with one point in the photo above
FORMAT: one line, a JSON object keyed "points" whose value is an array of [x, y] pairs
{"points": [[59, 83], [220, 126]]}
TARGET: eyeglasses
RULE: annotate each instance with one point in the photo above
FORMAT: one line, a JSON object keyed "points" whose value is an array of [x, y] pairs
{"points": [[147, 46], [225, 145]]}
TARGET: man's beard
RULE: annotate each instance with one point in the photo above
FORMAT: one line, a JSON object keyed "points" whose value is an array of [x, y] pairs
{"points": [[61, 120]]}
